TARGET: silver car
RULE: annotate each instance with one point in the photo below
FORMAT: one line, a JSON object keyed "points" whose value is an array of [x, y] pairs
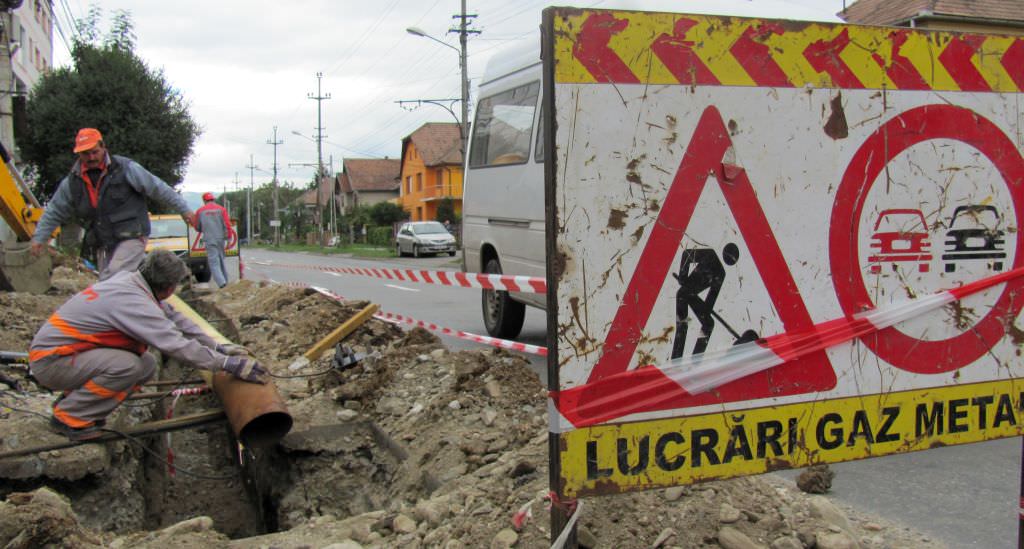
{"points": [[424, 237]]}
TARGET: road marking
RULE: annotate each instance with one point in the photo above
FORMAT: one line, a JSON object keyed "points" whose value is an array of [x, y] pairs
{"points": [[334, 274], [403, 288]]}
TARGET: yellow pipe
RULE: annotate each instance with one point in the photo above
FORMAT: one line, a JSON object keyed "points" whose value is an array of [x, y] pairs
{"points": [[256, 412]]}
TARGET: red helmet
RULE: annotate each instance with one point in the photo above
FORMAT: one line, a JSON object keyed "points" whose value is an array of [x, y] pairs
{"points": [[207, 197]]}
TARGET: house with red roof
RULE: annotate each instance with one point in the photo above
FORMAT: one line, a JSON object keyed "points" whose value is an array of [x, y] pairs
{"points": [[431, 170], [990, 16]]}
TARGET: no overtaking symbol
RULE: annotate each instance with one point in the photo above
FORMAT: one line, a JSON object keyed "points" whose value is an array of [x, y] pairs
{"points": [[910, 128]]}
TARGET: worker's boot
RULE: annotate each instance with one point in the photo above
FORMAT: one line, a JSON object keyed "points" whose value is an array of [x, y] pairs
{"points": [[75, 435]]}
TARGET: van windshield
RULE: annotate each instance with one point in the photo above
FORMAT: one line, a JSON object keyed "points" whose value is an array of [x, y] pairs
{"points": [[504, 125], [167, 228], [429, 228]]}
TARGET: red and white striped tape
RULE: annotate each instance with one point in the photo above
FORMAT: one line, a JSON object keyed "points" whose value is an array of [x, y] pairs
{"points": [[177, 393], [631, 391], [510, 283], [486, 340]]}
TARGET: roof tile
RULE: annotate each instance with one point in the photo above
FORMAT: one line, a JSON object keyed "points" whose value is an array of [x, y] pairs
{"points": [[437, 143], [888, 12], [372, 174]]}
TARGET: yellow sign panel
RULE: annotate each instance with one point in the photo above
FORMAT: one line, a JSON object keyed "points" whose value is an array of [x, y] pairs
{"points": [[654, 454], [597, 46]]}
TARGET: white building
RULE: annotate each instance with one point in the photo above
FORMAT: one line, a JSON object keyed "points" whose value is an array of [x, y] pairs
{"points": [[26, 53]]}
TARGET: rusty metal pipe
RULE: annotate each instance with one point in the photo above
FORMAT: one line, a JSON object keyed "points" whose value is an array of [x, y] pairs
{"points": [[256, 412]]}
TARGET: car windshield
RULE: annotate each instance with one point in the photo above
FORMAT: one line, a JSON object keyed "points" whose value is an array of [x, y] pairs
{"points": [[429, 228], [167, 228]]}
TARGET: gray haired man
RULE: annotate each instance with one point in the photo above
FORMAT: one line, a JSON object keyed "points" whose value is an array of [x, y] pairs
{"points": [[93, 348]]}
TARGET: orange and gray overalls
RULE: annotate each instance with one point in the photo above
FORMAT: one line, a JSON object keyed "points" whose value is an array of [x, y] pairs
{"points": [[94, 347]]}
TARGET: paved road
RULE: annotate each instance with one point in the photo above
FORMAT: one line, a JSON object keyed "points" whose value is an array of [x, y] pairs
{"points": [[450, 307], [965, 496]]}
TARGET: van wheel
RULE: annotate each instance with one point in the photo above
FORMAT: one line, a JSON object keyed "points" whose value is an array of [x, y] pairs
{"points": [[503, 316], [451, 254], [416, 251], [398, 251]]}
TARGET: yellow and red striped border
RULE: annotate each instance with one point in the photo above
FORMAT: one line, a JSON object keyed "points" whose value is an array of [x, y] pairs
{"points": [[595, 46]]}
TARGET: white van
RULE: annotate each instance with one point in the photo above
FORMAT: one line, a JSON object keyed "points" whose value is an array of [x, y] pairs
{"points": [[503, 193]]}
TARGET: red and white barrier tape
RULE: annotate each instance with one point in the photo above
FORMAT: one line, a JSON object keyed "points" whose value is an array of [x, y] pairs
{"points": [[399, 319], [170, 414], [525, 284], [621, 394], [468, 336], [486, 340]]}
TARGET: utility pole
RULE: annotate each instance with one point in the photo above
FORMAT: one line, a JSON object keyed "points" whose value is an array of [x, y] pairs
{"points": [[464, 127], [273, 216], [319, 97], [463, 121], [248, 200]]}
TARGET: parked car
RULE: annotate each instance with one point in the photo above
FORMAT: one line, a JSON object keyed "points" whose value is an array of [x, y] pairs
{"points": [[900, 244], [979, 240], [424, 237]]}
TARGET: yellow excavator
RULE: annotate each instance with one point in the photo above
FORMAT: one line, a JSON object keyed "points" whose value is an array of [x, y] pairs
{"points": [[20, 271]]}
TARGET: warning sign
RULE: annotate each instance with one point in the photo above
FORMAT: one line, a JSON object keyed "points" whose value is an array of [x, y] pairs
{"points": [[197, 247], [768, 237]]}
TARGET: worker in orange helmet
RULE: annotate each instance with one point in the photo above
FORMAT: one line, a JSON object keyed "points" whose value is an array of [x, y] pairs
{"points": [[212, 220], [107, 195]]}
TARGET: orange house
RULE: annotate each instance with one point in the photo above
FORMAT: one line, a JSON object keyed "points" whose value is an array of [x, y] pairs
{"points": [[431, 170]]}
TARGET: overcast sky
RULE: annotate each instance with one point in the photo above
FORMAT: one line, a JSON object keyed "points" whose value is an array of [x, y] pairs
{"points": [[248, 66]]}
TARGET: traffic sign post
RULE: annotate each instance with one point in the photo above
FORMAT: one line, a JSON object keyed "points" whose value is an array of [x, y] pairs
{"points": [[772, 249]]}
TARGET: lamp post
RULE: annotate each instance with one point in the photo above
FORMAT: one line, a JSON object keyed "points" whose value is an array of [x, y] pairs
{"points": [[464, 123]]}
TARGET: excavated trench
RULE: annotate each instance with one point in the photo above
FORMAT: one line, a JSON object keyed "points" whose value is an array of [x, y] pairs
{"points": [[341, 468]]}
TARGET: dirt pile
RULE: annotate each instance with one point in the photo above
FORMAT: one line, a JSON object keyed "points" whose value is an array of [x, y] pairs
{"points": [[417, 446]]}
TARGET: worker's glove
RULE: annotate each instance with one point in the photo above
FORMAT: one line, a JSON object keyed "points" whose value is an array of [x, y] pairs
{"points": [[245, 368], [231, 349]]}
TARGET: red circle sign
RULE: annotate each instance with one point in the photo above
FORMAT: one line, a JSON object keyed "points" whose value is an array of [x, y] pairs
{"points": [[895, 136]]}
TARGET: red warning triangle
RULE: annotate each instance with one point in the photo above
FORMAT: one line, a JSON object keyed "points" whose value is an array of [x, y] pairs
{"points": [[612, 392]]}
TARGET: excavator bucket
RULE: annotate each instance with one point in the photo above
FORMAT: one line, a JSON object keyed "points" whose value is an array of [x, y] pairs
{"points": [[20, 271]]}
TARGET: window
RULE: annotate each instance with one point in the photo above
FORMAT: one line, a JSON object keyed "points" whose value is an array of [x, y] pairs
{"points": [[504, 124], [439, 180], [419, 182]]}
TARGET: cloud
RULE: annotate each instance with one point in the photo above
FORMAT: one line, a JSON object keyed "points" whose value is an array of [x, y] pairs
{"points": [[248, 66]]}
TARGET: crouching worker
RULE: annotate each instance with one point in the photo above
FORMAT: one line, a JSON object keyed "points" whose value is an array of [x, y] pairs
{"points": [[93, 348]]}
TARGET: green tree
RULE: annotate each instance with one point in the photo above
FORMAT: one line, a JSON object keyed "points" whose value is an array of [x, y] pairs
{"points": [[386, 213], [110, 88], [446, 211]]}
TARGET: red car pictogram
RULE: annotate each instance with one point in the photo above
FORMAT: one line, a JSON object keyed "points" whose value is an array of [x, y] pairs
{"points": [[900, 245]]}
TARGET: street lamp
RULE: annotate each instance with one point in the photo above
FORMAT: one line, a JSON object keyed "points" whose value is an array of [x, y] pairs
{"points": [[464, 123]]}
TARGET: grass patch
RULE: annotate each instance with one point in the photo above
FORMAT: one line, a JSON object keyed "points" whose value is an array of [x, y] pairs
{"points": [[355, 250]]}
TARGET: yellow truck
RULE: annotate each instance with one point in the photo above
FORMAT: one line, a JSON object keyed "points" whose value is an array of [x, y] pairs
{"points": [[170, 232]]}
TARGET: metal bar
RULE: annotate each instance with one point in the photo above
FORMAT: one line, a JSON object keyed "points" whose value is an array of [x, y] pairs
{"points": [[138, 431], [166, 382], [144, 395], [9, 357]]}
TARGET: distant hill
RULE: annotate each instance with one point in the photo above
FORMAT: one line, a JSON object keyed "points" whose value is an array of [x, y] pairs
{"points": [[193, 199]]}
